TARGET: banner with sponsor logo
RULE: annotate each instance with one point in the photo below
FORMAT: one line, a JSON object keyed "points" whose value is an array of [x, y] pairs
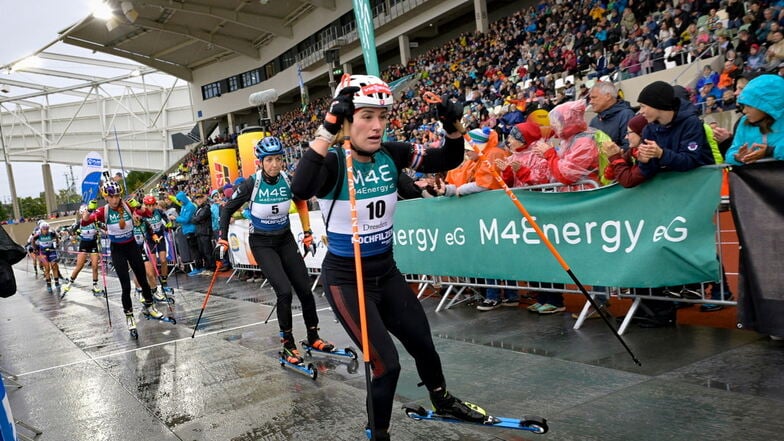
{"points": [[657, 234], [757, 192], [240, 250], [91, 176]]}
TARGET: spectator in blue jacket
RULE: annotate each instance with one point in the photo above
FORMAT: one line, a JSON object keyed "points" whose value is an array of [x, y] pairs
{"points": [[674, 138], [188, 227]]}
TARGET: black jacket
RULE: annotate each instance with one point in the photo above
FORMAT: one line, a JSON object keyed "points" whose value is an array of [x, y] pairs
{"points": [[203, 220]]}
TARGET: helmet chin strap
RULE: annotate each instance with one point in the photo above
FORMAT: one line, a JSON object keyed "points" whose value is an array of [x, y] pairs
{"points": [[272, 180], [361, 152]]}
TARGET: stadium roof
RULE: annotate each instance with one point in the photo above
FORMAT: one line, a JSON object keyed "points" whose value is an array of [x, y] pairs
{"points": [[178, 36]]}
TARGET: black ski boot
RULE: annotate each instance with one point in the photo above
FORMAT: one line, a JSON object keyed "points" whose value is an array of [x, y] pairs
{"points": [[290, 352], [446, 404], [317, 343]]}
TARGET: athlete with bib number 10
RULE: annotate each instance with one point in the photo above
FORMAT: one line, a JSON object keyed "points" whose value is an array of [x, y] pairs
{"points": [[380, 302]]}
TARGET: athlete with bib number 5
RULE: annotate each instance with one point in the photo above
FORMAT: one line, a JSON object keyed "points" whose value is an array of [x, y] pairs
{"points": [[361, 106], [272, 243]]}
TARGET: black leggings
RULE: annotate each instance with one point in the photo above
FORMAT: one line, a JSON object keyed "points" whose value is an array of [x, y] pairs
{"points": [[280, 261], [391, 308], [124, 255]]}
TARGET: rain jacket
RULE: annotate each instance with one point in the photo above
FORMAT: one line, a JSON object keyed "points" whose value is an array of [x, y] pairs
{"points": [[577, 157], [765, 93], [683, 141], [186, 213]]}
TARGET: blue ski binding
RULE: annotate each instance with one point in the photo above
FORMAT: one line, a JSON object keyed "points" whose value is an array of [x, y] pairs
{"points": [[535, 424], [346, 352], [305, 369]]}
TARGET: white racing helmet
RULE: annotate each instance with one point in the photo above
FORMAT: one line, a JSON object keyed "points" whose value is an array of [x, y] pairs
{"points": [[373, 92]]}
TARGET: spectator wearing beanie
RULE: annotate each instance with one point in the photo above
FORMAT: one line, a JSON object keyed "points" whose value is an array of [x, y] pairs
{"points": [[486, 140], [674, 138], [622, 163]]}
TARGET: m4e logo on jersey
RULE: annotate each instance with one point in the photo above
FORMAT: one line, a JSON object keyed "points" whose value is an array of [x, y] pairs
{"points": [[382, 175]]}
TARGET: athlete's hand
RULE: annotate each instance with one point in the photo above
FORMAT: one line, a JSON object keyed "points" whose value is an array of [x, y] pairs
{"points": [[341, 109], [307, 243], [92, 205], [220, 250], [156, 238], [450, 113]]}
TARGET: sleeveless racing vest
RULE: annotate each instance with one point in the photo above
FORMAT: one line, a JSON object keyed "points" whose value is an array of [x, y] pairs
{"points": [[156, 222], [375, 185], [45, 241], [116, 234], [88, 232], [269, 204]]}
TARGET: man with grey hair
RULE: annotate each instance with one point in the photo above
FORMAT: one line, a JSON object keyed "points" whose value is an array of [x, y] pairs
{"points": [[612, 114]]}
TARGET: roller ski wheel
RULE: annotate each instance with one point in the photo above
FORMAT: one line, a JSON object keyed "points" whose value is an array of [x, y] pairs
{"points": [[305, 369], [134, 334], [534, 424], [345, 352]]}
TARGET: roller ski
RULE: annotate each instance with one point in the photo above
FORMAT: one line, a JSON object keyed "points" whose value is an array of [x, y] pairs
{"points": [[97, 292], [322, 347], [130, 320], [151, 313], [452, 410], [289, 356]]}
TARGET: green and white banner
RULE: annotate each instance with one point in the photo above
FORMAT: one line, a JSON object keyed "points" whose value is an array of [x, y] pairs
{"points": [[657, 234]]}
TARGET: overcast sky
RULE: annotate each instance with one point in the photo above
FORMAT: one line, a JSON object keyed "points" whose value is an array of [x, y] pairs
{"points": [[26, 27]]}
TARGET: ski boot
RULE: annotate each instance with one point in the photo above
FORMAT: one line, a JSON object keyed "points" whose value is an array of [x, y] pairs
{"points": [[167, 290], [150, 311], [447, 405], [290, 352], [131, 322], [161, 297], [66, 288], [97, 292], [140, 294], [380, 435], [49, 287], [317, 343]]}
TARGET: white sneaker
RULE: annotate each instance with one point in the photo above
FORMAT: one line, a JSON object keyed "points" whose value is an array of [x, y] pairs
{"points": [[489, 305]]}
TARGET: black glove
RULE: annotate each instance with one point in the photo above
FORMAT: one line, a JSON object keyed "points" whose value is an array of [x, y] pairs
{"points": [[219, 253], [450, 113], [307, 243], [341, 109]]}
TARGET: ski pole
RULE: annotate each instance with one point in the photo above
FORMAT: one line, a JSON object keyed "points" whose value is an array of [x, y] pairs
{"points": [[105, 290], [352, 197], [218, 265], [157, 274], [176, 266], [270, 314], [119, 154], [433, 99]]}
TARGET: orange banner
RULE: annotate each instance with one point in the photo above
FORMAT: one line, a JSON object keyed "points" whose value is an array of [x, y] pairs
{"points": [[222, 161], [246, 142]]}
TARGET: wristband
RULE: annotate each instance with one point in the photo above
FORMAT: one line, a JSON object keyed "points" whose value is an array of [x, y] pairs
{"points": [[323, 134]]}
